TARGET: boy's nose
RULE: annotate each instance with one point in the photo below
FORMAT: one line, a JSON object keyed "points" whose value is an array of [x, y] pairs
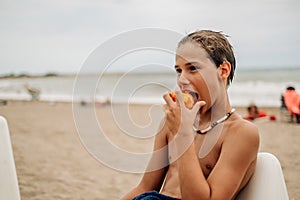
{"points": [[182, 80]]}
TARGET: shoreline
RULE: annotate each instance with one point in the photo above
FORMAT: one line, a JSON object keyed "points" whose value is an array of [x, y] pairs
{"points": [[90, 102]]}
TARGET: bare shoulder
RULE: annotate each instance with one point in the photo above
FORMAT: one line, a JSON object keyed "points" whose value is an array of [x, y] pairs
{"points": [[244, 135], [240, 127]]}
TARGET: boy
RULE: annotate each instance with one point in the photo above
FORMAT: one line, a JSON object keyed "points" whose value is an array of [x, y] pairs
{"points": [[212, 151]]}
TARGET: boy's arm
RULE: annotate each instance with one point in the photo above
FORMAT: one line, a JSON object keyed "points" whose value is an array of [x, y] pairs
{"points": [[153, 178], [239, 151]]}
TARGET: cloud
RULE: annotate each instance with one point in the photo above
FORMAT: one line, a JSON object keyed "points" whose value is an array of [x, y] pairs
{"points": [[59, 35]]}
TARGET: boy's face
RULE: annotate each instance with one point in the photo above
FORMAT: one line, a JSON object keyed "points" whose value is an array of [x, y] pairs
{"points": [[198, 73]]}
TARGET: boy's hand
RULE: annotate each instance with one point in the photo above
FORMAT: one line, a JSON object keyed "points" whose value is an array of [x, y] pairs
{"points": [[180, 119]]}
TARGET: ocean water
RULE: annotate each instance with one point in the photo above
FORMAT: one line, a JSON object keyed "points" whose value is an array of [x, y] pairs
{"points": [[263, 87]]}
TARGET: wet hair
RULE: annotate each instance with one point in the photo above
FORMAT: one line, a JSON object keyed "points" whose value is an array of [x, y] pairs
{"points": [[216, 45], [290, 88]]}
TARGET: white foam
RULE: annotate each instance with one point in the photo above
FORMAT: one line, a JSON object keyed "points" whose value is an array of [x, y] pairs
{"points": [[241, 93]]}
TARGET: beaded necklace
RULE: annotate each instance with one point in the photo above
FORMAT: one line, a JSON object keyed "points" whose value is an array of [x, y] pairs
{"points": [[223, 119]]}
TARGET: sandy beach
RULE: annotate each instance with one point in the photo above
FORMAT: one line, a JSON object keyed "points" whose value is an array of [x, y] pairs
{"points": [[52, 163]]}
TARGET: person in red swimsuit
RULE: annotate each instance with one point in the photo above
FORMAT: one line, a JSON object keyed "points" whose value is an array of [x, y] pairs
{"points": [[254, 113], [292, 102]]}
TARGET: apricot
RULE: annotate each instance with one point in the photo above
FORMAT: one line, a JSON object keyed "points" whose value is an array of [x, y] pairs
{"points": [[188, 99]]}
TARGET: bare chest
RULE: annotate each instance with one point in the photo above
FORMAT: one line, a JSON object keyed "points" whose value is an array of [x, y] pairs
{"points": [[207, 157], [208, 152], [208, 148]]}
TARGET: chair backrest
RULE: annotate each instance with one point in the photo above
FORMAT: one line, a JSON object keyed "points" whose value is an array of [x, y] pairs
{"points": [[267, 181], [9, 188]]}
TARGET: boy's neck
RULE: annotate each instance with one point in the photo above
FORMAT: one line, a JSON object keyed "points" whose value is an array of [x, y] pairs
{"points": [[219, 109]]}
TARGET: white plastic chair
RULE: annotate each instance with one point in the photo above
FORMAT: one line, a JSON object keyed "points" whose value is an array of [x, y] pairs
{"points": [[9, 188], [267, 181]]}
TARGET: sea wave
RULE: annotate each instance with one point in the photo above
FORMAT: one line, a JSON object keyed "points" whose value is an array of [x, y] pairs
{"points": [[241, 93]]}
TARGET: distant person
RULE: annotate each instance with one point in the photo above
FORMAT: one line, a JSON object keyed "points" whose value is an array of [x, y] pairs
{"points": [[283, 105], [34, 92], [3, 102], [104, 102], [254, 113], [292, 102]]}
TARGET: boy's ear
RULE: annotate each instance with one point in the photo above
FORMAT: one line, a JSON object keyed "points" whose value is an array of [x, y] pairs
{"points": [[224, 70]]}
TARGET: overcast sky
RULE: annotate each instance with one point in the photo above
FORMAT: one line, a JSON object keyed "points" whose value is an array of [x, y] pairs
{"points": [[40, 36]]}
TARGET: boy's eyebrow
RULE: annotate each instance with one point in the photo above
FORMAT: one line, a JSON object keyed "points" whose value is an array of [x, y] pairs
{"points": [[188, 64]]}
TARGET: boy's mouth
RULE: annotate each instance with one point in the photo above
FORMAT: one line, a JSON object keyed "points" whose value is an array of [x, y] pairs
{"points": [[194, 95]]}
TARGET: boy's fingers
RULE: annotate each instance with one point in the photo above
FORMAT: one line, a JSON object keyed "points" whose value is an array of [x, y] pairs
{"points": [[198, 105], [167, 98], [179, 98]]}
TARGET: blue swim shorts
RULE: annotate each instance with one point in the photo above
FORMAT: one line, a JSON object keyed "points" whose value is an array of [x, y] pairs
{"points": [[153, 195]]}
